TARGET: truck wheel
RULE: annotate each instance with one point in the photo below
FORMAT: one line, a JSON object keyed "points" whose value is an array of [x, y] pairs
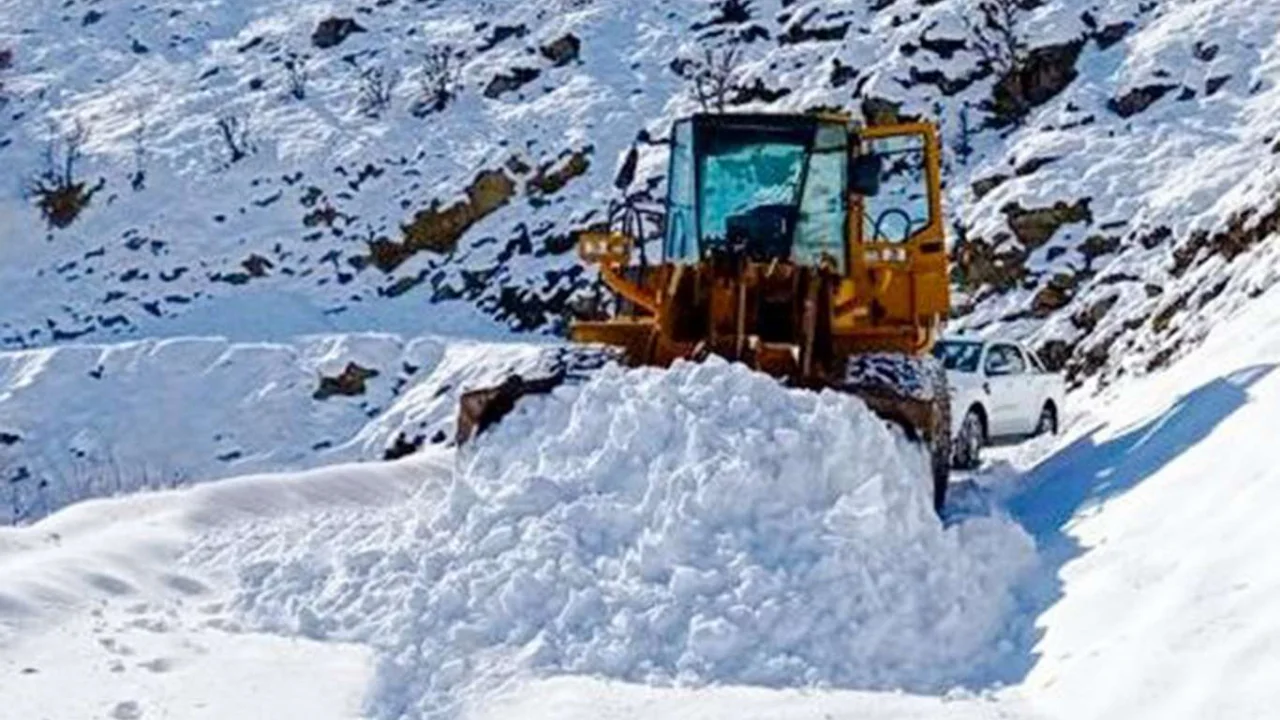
{"points": [[1048, 423], [968, 445]]}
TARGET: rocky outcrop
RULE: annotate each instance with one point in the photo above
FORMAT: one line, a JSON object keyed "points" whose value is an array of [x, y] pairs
{"points": [[350, 383], [563, 50], [332, 31], [438, 230], [1036, 226]]}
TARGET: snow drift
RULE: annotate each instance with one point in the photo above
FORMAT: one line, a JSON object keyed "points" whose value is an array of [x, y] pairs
{"points": [[698, 525], [86, 421]]}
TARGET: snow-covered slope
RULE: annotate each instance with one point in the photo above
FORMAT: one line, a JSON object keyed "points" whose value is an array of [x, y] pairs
{"points": [[1111, 224]]}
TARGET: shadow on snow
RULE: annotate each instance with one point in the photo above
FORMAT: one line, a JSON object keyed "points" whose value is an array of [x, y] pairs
{"points": [[1089, 472]]}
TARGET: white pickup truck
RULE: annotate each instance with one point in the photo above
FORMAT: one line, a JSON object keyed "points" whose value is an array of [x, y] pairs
{"points": [[999, 390]]}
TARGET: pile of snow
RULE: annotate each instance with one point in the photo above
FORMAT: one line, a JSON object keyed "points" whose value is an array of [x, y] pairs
{"points": [[698, 525]]}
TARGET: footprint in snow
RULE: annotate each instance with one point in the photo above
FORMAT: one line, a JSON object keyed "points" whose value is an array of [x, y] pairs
{"points": [[185, 585], [109, 584], [115, 647], [159, 665], [127, 710]]}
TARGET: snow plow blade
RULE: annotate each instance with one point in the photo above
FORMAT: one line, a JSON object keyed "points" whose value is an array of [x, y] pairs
{"points": [[481, 409]]}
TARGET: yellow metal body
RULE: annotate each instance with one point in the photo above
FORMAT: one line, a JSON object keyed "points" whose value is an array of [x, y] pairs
{"points": [[892, 296]]}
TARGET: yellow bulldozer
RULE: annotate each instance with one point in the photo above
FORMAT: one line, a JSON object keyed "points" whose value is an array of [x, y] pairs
{"points": [[803, 245]]}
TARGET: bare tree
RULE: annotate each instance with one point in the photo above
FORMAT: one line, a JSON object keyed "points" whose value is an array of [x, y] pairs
{"points": [[714, 77], [996, 35], [438, 81], [376, 88], [295, 67], [234, 131]]}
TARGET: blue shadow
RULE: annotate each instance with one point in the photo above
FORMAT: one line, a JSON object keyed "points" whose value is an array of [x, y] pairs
{"points": [[1088, 473]]}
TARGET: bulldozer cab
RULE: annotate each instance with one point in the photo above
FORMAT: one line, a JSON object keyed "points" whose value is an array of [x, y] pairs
{"points": [[808, 190], [760, 205]]}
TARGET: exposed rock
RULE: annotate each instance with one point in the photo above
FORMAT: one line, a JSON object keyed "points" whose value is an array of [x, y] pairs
{"points": [[757, 92], [1054, 354], [1243, 232], [562, 51], [1112, 34], [1155, 237], [980, 264], [1161, 320], [983, 187], [842, 74], [437, 230], [1204, 52], [503, 32], [1092, 360], [332, 31], [1032, 165], [1089, 318], [1138, 99], [1046, 72], [351, 383], [1054, 296], [878, 111], [550, 178], [403, 447], [256, 265], [799, 32], [1034, 227], [510, 82], [1165, 355]]}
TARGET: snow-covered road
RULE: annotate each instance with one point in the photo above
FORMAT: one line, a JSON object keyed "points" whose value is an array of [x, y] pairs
{"points": [[768, 559]]}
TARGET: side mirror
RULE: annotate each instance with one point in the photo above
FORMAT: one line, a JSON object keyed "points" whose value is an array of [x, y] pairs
{"points": [[864, 174], [605, 248]]}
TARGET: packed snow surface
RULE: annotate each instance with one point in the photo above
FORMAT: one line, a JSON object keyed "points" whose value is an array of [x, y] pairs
{"points": [[699, 525]]}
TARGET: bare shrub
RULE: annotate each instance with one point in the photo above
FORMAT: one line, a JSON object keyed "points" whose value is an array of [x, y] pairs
{"points": [[295, 67], [438, 81], [234, 131], [59, 194], [376, 87], [138, 181]]}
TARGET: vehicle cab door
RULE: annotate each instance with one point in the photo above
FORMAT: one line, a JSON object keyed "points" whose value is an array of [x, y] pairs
{"points": [[1005, 370]]}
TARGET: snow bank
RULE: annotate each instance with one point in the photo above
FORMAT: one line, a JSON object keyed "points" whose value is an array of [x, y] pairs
{"points": [[87, 421], [698, 525]]}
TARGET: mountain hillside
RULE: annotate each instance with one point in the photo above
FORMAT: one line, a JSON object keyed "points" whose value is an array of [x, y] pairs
{"points": [[1111, 165]]}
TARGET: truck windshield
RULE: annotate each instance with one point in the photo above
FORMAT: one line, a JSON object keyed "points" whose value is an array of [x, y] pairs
{"points": [[958, 356]]}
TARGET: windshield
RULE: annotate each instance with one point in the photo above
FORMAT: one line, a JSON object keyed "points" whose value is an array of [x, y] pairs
{"points": [[749, 183], [958, 356]]}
